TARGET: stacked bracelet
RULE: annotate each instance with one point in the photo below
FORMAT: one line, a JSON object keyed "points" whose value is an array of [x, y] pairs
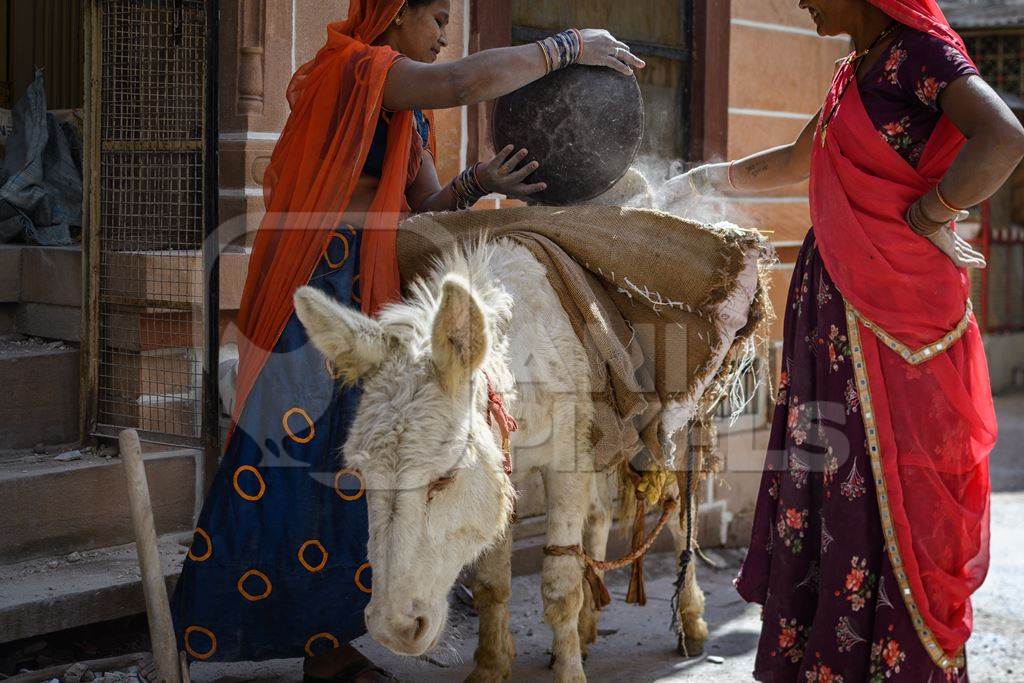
{"points": [[562, 49], [467, 188], [921, 223]]}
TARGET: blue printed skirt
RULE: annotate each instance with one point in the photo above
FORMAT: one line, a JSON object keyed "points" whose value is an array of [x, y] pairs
{"points": [[277, 567]]}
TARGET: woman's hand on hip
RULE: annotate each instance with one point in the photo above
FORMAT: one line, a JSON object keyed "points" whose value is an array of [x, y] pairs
{"points": [[601, 48], [959, 250], [504, 175]]}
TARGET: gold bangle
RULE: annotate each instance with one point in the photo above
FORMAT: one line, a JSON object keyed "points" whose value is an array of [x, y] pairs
{"points": [[942, 200], [547, 57]]}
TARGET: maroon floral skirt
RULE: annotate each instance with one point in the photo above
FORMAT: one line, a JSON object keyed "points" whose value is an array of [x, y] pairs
{"points": [[832, 611]]}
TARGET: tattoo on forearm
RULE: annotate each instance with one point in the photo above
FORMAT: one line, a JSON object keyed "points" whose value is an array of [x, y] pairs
{"points": [[756, 168]]}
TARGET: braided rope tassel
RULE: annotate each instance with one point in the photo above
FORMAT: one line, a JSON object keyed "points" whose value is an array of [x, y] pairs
{"points": [[637, 594]]}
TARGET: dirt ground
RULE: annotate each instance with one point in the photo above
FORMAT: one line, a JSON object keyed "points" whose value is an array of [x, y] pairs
{"points": [[636, 642]]}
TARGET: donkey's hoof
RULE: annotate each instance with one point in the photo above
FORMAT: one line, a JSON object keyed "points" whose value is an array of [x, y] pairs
{"points": [[481, 675], [570, 675], [689, 647]]}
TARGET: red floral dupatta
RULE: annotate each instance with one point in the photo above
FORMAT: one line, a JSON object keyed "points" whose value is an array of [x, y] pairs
{"points": [[917, 351], [335, 105]]}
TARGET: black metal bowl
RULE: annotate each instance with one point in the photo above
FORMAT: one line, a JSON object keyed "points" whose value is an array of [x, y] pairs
{"points": [[584, 124]]}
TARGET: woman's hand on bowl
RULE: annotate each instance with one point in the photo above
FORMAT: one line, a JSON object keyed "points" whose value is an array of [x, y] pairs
{"points": [[601, 48], [504, 175]]}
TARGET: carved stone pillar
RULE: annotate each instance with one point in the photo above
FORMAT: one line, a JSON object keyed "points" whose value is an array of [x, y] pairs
{"points": [[251, 38]]}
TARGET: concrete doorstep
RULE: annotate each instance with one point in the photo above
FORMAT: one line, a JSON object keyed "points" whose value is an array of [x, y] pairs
{"points": [[49, 595], [53, 505]]}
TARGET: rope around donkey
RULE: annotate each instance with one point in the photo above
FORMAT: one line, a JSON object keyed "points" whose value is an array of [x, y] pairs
{"points": [[597, 588]]}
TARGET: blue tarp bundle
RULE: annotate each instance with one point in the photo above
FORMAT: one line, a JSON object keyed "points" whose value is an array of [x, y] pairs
{"points": [[41, 176]]}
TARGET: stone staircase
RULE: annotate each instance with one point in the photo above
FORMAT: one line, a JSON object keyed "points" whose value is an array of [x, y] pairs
{"points": [[66, 552]]}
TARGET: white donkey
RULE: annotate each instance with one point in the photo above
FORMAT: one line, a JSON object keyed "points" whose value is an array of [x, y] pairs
{"points": [[437, 491]]}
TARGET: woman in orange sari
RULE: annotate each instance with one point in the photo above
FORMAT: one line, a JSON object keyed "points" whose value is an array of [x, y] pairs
{"points": [[871, 528], [278, 564]]}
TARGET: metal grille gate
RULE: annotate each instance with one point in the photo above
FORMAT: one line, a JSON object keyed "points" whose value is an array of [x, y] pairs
{"points": [[151, 203]]}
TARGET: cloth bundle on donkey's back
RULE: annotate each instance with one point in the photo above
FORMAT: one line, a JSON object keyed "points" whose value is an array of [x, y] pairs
{"points": [[667, 310]]}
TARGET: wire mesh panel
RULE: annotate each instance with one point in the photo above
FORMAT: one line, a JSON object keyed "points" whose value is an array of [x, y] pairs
{"points": [[152, 66]]}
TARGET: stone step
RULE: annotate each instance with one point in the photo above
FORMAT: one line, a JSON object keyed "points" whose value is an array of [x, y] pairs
{"points": [[41, 275], [10, 273], [40, 397], [7, 315], [49, 321], [52, 275], [56, 593], [52, 508]]}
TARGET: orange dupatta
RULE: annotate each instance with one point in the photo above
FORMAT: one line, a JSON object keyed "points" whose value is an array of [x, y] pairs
{"points": [[335, 104]]}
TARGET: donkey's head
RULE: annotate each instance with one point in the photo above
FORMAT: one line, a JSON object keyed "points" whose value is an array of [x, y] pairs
{"points": [[436, 490]]}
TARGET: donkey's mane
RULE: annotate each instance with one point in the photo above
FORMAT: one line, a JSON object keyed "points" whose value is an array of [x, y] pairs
{"points": [[475, 262]]}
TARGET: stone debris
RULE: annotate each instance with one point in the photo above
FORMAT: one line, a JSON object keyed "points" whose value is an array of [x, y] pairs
{"points": [[74, 557], [79, 673], [14, 343], [39, 449], [715, 659], [69, 456]]}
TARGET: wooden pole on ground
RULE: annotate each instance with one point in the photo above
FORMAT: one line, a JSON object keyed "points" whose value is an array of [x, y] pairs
{"points": [[158, 608]]}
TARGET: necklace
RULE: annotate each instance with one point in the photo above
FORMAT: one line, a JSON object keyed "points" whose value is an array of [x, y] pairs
{"points": [[844, 69]]}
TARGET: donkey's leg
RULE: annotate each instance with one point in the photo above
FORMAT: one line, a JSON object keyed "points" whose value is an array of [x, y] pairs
{"points": [[492, 588], [595, 542], [568, 498], [693, 629]]}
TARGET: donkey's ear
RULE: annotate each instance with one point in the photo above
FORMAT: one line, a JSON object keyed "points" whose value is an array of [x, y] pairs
{"points": [[460, 340], [354, 343]]}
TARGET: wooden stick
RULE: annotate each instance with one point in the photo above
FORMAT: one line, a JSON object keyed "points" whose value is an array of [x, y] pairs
{"points": [[158, 608]]}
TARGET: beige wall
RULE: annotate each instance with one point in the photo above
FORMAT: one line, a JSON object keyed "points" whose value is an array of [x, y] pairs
{"points": [[779, 72]]}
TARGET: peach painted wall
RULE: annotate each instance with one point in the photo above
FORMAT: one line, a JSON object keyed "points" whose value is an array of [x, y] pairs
{"points": [[779, 72]]}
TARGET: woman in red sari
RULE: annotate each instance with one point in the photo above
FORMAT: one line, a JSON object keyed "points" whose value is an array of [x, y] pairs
{"points": [[871, 529], [278, 565]]}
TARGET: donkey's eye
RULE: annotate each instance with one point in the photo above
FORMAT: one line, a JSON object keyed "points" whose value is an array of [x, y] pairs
{"points": [[440, 484]]}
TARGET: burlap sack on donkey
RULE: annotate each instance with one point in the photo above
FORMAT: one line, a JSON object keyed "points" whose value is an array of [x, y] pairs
{"points": [[667, 309]]}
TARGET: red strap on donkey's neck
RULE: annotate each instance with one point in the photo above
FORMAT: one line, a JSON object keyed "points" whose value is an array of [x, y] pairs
{"points": [[506, 423]]}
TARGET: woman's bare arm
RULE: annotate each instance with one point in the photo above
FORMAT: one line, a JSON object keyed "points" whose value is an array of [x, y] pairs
{"points": [[767, 170], [773, 168], [994, 147], [492, 73], [995, 144]]}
